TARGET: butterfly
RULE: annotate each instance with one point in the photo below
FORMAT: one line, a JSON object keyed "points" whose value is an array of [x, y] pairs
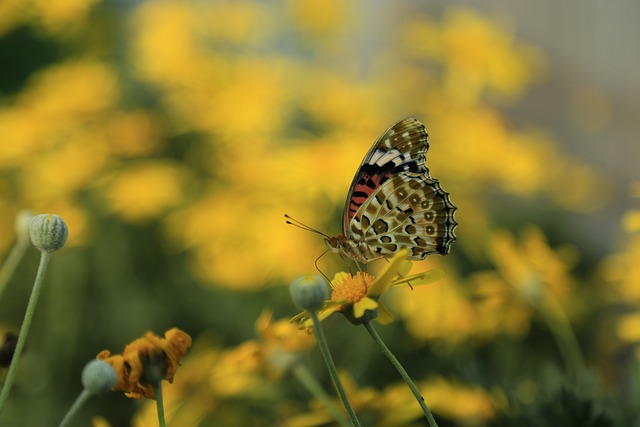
{"points": [[394, 203]]}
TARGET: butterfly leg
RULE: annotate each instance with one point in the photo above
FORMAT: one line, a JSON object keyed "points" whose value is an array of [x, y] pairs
{"points": [[400, 275], [318, 268]]}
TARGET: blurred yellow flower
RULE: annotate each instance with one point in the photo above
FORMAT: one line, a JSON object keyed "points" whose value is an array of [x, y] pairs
{"points": [[249, 103], [282, 344], [459, 402], [58, 15], [320, 19], [11, 14], [146, 190], [477, 54], [66, 169], [528, 276], [140, 354], [59, 108], [631, 221], [622, 268], [628, 328], [441, 310], [98, 421], [235, 96], [228, 226], [228, 231], [75, 89], [396, 406], [250, 370], [631, 218], [132, 133]]}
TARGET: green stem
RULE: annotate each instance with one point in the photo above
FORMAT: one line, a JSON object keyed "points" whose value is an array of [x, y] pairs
{"points": [[385, 350], [565, 338], [333, 372], [82, 398], [10, 265], [159, 405], [309, 381], [24, 330]]}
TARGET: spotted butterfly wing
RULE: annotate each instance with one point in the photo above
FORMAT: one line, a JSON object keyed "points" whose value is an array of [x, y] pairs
{"points": [[394, 203]]}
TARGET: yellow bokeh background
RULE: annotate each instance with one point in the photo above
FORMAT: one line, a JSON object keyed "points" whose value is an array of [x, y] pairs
{"points": [[172, 137]]}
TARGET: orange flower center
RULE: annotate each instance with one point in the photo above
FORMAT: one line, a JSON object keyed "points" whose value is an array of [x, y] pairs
{"points": [[352, 288]]}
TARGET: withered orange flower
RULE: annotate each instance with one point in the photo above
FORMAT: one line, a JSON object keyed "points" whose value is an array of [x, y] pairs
{"points": [[143, 358]]}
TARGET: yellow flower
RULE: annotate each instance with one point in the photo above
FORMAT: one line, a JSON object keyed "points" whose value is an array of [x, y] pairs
{"points": [[355, 296], [444, 306], [145, 190], [396, 406], [529, 276], [282, 344], [319, 20], [461, 402], [140, 355]]}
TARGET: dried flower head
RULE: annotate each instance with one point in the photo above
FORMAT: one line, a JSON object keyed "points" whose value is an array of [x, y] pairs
{"points": [[146, 361]]}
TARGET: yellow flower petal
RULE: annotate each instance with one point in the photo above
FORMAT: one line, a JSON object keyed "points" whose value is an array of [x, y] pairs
{"points": [[384, 315], [385, 277], [363, 305], [339, 277]]}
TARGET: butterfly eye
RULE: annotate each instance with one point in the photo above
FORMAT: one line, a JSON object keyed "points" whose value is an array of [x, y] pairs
{"points": [[331, 242]]}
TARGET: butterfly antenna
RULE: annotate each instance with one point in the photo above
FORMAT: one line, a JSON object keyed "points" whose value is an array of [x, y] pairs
{"points": [[296, 223]]}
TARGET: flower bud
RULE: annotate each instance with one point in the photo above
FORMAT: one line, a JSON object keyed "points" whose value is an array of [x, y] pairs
{"points": [[48, 232], [98, 377], [309, 292]]}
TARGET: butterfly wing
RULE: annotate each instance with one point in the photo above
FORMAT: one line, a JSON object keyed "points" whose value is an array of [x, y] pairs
{"points": [[393, 202], [401, 148], [408, 211]]}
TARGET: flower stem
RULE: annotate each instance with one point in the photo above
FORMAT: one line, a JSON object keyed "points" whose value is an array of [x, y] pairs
{"points": [[385, 350], [309, 381], [24, 330], [10, 265], [82, 398], [333, 372], [557, 321], [159, 405]]}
